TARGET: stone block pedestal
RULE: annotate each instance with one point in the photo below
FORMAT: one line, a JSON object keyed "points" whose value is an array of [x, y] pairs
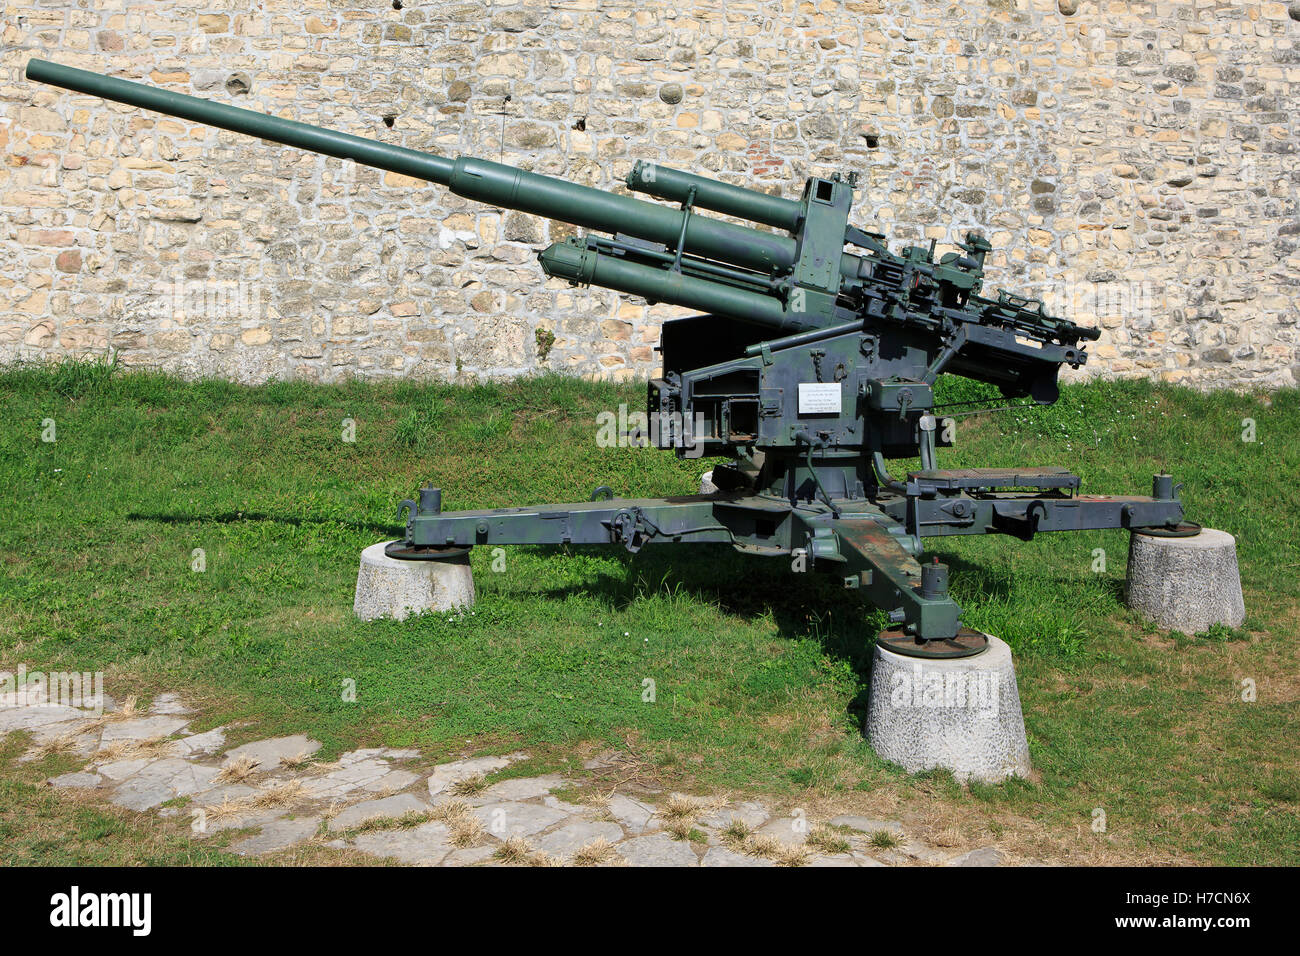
{"points": [[387, 587], [962, 714], [1185, 584]]}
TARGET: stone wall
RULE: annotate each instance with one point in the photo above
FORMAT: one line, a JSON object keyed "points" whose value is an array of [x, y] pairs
{"points": [[1133, 162]]}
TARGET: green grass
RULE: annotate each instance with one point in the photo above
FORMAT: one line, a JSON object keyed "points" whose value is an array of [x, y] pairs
{"points": [[760, 675]]}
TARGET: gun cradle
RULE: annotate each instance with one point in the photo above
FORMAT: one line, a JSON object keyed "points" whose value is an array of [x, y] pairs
{"points": [[812, 362]]}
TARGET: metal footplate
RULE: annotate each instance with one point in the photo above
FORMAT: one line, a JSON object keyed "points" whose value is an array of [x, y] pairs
{"points": [[971, 479]]}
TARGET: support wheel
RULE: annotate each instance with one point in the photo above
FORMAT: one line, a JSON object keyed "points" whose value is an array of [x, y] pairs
{"points": [[405, 551], [966, 643], [1184, 529]]}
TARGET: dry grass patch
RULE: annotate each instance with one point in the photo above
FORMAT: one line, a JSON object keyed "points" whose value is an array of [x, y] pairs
{"points": [[679, 829], [465, 828], [134, 749], [679, 813], [884, 839], [680, 808], [130, 709], [228, 809], [515, 850], [735, 834], [238, 770], [827, 840], [947, 837], [794, 856], [594, 853], [770, 848], [409, 819], [277, 795], [449, 810], [469, 786], [62, 744], [274, 797], [466, 831]]}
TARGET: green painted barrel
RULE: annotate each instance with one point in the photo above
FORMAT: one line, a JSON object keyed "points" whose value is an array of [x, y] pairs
{"points": [[495, 184]]}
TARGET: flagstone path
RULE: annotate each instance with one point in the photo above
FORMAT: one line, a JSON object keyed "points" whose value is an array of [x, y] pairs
{"points": [[451, 815]]}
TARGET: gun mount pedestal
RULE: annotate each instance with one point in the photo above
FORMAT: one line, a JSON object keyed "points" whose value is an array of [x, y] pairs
{"points": [[387, 587], [961, 714], [1185, 582]]}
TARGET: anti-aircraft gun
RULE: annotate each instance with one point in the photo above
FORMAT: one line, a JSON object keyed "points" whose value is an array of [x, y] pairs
{"points": [[812, 362]]}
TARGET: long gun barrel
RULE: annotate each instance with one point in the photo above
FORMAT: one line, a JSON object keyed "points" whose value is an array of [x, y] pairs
{"points": [[497, 184]]}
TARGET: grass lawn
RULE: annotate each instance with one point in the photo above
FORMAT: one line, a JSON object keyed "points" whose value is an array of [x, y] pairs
{"points": [[761, 675]]}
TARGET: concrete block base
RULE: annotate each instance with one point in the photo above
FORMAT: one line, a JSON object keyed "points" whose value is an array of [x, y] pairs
{"points": [[962, 714], [387, 587], [1186, 584]]}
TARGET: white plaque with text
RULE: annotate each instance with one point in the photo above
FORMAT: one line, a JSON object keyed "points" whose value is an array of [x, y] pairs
{"points": [[819, 398]]}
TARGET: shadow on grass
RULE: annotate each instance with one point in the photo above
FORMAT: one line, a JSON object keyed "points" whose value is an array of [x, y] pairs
{"points": [[236, 517], [802, 606]]}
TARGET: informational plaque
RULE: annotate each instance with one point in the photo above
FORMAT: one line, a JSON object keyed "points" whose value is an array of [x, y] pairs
{"points": [[819, 398]]}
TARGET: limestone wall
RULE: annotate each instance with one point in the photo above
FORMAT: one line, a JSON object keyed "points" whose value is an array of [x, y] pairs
{"points": [[1133, 162]]}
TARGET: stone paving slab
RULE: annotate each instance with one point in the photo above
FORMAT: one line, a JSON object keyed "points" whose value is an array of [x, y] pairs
{"points": [[555, 803], [205, 743], [511, 818], [74, 732], [635, 816], [393, 807], [657, 849], [26, 718], [224, 793], [572, 837], [444, 775], [521, 788], [277, 835], [141, 728], [926, 854], [64, 728], [469, 856], [424, 845], [240, 821], [268, 754], [117, 770], [393, 780], [372, 775], [161, 781], [722, 856], [204, 822], [792, 831], [29, 696], [750, 813], [984, 856], [168, 703]]}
